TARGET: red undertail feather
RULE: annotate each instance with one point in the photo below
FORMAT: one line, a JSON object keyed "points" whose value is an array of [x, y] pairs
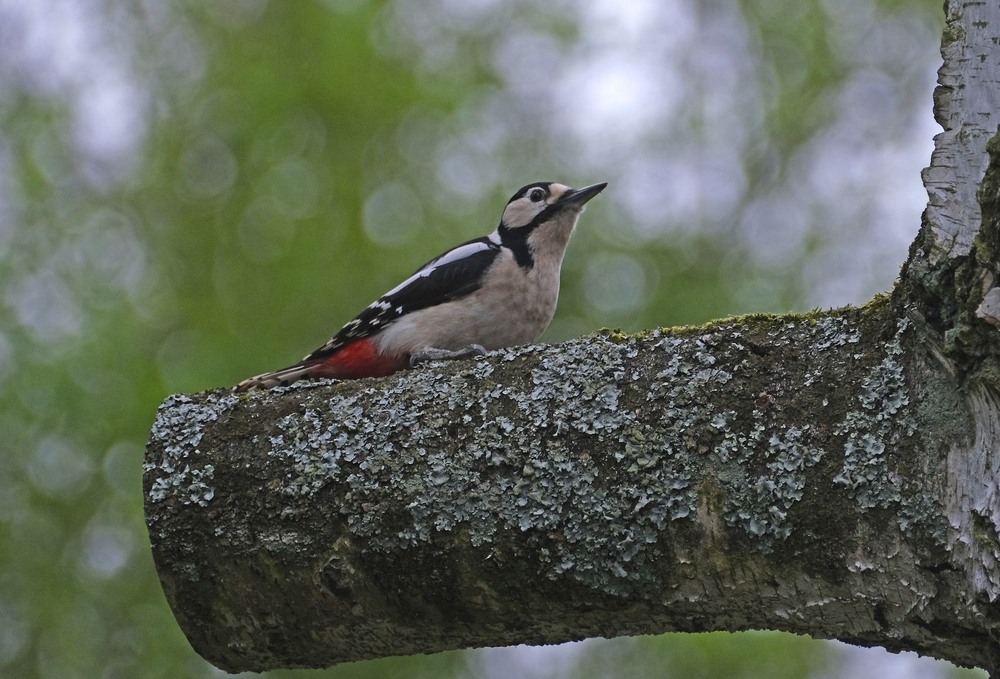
{"points": [[352, 361], [358, 359]]}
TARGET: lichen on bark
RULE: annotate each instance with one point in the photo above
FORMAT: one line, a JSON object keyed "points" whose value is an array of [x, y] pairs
{"points": [[665, 480]]}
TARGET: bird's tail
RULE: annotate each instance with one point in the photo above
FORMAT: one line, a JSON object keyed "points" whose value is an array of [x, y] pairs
{"points": [[360, 358], [276, 378]]}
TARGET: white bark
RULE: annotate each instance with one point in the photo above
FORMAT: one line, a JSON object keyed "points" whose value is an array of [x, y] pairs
{"points": [[967, 106]]}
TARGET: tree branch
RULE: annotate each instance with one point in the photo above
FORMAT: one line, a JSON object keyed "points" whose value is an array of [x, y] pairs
{"points": [[834, 474]]}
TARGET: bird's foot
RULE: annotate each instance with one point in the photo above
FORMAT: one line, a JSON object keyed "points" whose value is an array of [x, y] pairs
{"points": [[435, 354]]}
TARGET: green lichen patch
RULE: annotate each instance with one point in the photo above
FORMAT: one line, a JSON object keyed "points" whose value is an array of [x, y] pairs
{"points": [[179, 472], [763, 511], [770, 430], [877, 424]]}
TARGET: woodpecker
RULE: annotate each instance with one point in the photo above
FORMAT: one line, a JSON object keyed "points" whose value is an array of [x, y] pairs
{"points": [[491, 292]]}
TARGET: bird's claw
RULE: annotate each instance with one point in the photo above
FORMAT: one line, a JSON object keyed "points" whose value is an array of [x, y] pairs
{"points": [[435, 354]]}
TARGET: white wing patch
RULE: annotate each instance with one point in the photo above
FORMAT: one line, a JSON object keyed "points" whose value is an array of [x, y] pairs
{"points": [[458, 253]]}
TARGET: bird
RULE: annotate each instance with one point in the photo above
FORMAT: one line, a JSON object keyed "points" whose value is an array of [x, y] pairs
{"points": [[488, 293]]}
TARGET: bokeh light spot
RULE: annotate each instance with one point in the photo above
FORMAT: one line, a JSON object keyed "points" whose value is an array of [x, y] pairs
{"points": [[59, 468], [393, 214]]}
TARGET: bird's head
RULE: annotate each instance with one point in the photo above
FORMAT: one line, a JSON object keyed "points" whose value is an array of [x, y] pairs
{"points": [[542, 202]]}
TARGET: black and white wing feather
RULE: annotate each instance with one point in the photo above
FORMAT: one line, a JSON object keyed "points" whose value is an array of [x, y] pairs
{"points": [[450, 276]]}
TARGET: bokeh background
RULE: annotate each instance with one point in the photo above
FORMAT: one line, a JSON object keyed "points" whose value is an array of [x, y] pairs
{"points": [[192, 192]]}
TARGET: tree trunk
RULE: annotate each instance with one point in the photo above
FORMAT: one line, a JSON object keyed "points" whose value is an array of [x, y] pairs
{"points": [[834, 473]]}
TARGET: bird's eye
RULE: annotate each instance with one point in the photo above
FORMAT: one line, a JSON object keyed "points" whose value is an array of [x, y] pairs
{"points": [[536, 195]]}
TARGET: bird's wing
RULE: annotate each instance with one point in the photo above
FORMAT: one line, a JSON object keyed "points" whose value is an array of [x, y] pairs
{"points": [[450, 276]]}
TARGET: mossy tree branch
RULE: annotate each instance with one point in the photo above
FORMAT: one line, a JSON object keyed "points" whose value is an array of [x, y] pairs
{"points": [[833, 473]]}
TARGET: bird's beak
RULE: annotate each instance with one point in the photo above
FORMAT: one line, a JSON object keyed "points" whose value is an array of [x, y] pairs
{"points": [[577, 197]]}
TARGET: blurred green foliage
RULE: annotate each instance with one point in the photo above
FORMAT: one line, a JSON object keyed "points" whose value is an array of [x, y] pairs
{"points": [[194, 192]]}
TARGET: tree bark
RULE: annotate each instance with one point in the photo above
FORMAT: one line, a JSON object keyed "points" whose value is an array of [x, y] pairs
{"points": [[834, 474]]}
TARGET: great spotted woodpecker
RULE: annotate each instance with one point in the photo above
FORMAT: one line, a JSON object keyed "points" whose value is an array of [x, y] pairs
{"points": [[492, 292]]}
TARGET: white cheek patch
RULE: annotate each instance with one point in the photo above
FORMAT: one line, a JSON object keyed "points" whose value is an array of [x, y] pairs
{"points": [[521, 212]]}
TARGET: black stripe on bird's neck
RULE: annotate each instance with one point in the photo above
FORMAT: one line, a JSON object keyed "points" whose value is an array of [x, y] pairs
{"points": [[516, 240]]}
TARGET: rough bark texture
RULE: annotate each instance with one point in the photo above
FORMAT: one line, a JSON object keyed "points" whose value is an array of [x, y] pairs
{"points": [[834, 474]]}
